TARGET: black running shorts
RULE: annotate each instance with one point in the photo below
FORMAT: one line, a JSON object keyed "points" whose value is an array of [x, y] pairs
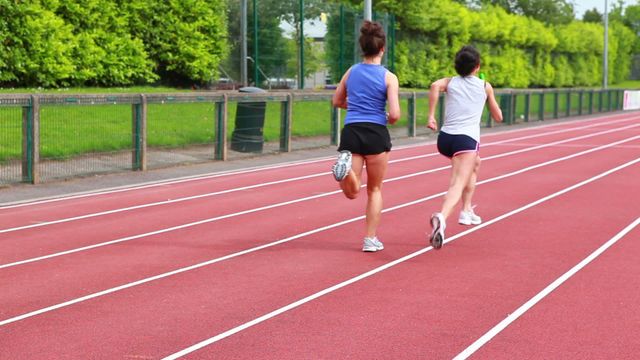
{"points": [[452, 145], [365, 138]]}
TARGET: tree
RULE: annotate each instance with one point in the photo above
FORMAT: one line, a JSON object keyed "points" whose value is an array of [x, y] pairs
{"points": [[546, 11], [186, 39], [592, 16]]}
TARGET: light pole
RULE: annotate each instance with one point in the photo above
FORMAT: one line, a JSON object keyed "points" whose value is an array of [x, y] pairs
{"points": [[243, 43], [605, 55], [367, 10]]}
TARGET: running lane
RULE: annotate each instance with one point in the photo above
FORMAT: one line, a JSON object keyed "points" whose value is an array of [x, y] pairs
{"points": [[77, 275], [158, 317], [436, 304]]}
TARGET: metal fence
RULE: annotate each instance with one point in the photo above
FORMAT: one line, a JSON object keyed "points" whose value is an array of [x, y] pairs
{"points": [[281, 51], [47, 137]]}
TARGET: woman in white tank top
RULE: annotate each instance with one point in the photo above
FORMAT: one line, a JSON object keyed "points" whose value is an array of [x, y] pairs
{"points": [[459, 138]]}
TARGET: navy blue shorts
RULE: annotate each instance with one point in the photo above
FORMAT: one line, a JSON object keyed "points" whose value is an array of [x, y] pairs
{"points": [[452, 145]]}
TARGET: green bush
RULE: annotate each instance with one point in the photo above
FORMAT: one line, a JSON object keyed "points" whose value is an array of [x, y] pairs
{"points": [[517, 51], [110, 43]]}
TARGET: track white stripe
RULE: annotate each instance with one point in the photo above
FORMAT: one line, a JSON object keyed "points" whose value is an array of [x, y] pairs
{"points": [[542, 294], [174, 228], [230, 256], [384, 267], [285, 164], [142, 206]]}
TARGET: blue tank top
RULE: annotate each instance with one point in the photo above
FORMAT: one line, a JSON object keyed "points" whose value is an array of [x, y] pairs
{"points": [[366, 94]]}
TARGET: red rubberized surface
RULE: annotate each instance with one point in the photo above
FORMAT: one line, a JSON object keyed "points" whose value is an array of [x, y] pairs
{"points": [[431, 306]]}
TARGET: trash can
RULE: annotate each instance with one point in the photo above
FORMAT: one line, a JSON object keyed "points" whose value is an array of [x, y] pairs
{"points": [[247, 135]]}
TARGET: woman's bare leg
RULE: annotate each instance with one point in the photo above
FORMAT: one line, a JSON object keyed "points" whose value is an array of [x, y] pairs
{"points": [[462, 167], [467, 193], [376, 170], [350, 185]]}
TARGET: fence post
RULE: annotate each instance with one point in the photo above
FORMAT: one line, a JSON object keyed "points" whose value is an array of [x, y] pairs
{"points": [[335, 125], [139, 133], [514, 108], [580, 101], [527, 106], [411, 111], [556, 103], [221, 128], [600, 101], [31, 141], [620, 99], [609, 108], [590, 101], [568, 112], [541, 106], [286, 112]]}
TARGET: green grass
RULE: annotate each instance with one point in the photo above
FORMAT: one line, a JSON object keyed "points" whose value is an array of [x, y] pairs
{"points": [[69, 130], [629, 84]]}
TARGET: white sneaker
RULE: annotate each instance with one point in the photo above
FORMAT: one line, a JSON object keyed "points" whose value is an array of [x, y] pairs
{"points": [[372, 244], [342, 166], [469, 218], [437, 233]]}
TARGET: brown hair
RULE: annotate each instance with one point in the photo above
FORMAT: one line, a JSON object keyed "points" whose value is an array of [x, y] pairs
{"points": [[467, 59], [372, 38]]}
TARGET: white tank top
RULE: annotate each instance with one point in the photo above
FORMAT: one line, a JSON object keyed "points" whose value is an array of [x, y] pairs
{"points": [[464, 103]]}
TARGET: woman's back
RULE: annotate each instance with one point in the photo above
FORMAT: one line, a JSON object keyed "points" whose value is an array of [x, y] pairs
{"points": [[465, 101], [366, 94]]}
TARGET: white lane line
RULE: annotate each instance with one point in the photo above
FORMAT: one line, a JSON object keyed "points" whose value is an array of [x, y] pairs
{"points": [[199, 177], [326, 291], [136, 207], [230, 256], [542, 294], [222, 217]]}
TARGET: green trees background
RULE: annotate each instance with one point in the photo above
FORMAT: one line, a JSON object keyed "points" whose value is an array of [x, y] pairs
{"points": [[54, 43], [532, 43], [517, 51]]}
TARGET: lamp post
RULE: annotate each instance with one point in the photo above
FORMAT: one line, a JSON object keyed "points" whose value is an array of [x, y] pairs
{"points": [[367, 10], [605, 55], [243, 43]]}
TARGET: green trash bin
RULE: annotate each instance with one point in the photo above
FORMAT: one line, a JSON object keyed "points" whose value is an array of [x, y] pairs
{"points": [[248, 135]]}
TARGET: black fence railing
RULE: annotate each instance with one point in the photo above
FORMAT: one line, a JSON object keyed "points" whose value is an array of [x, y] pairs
{"points": [[45, 137]]}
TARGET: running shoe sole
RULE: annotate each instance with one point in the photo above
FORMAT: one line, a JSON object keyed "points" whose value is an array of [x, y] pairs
{"points": [[436, 239], [341, 168]]}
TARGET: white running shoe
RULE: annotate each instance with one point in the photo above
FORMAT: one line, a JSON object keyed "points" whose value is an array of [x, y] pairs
{"points": [[437, 233], [372, 244], [469, 218], [342, 166]]}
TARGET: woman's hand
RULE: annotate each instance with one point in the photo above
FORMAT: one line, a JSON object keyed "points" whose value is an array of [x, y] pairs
{"points": [[433, 123]]}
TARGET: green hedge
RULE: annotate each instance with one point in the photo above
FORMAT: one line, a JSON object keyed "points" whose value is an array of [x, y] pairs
{"points": [[57, 43], [517, 51]]}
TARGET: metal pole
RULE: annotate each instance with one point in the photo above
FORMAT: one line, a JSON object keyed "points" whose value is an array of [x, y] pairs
{"points": [[301, 62], [605, 55], [243, 43], [256, 61], [367, 10]]}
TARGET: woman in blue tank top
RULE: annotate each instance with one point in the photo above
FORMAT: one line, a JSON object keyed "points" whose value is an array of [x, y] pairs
{"points": [[365, 90]]}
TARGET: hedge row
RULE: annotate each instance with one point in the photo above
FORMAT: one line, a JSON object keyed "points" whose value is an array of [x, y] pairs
{"points": [[516, 51], [53, 43]]}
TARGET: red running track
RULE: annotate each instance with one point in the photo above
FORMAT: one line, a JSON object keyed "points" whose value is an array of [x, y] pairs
{"points": [[267, 263]]}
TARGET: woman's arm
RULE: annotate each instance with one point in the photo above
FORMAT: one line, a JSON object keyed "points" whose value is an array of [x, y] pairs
{"points": [[393, 100], [494, 108], [340, 96], [437, 87]]}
